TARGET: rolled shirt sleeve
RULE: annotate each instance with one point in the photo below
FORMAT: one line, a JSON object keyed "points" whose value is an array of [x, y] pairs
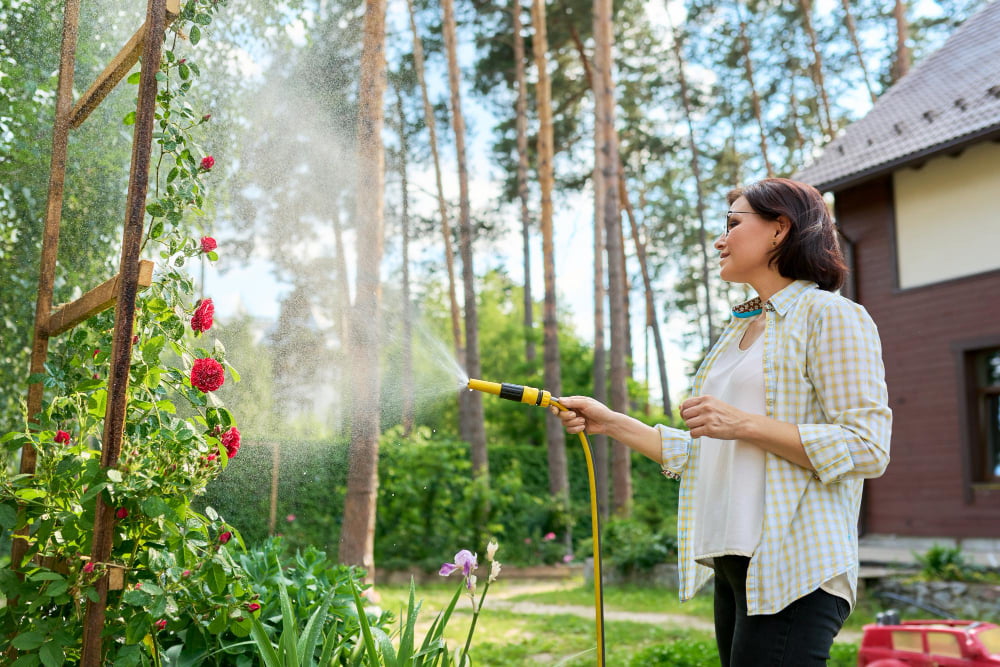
{"points": [[844, 365], [675, 448]]}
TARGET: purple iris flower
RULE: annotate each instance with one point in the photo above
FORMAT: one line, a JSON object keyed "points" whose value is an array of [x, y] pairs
{"points": [[464, 560]]}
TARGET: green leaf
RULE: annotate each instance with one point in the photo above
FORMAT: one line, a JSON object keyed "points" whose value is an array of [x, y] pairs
{"points": [[129, 118], [154, 506], [8, 517], [133, 78], [155, 209], [195, 35], [264, 646], [366, 630], [28, 641], [166, 406], [52, 654], [156, 231], [57, 588], [212, 255], [114, 475], [29, 494], [161, 77]]}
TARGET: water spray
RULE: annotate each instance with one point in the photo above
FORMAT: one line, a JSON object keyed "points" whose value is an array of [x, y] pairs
{"points": [[543, 399]]}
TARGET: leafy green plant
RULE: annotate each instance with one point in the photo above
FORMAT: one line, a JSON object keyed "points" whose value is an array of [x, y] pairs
{"points": [[943, 563], [182, 595], [631, 546], [679, 653]]}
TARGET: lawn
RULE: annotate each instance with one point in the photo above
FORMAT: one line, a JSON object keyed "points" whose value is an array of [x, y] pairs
{"points": [[505, 638]]}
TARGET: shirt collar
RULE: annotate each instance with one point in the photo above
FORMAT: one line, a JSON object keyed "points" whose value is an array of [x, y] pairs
{"points": [[782, 300]]}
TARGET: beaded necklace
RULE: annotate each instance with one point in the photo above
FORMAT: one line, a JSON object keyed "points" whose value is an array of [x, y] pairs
{"points": [[750, 308]]}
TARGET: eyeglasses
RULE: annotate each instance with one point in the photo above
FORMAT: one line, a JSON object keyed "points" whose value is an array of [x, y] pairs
{"points": [[729, 214]]}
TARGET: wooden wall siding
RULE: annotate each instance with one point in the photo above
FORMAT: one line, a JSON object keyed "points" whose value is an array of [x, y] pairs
{"points": [[924, 492]]}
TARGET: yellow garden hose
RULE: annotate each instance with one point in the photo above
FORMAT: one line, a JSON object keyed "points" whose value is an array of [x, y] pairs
{"points": [[543, 399]]}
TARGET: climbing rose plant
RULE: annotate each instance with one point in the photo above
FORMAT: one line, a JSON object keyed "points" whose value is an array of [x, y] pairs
{"points": [[179, 593]]}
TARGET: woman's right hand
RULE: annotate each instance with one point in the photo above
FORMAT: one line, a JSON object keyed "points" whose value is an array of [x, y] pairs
{"points": [[583, 413]]}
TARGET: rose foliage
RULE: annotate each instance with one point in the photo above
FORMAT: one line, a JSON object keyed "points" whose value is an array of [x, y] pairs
{"points": [[183, 598]]}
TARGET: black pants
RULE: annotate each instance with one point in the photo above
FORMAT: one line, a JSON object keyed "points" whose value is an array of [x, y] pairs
{"points": [[800, 635]]}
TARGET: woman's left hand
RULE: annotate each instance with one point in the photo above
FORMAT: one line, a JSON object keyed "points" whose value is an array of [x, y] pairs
{"points": [[708, 416]]}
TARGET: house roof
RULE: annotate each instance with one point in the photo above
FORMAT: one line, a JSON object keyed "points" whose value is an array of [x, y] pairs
{"points": [[948, 100]]}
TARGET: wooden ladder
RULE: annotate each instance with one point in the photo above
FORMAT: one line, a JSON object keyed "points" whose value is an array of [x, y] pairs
{"points": [[121, 290]]}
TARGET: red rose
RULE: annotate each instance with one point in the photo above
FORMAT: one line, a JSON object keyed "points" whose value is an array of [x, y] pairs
{"points": [[211, 457], [206, 118], [231, 441], [253, 606], [208, 244], [135, 339], [97, 351], [207, 374], [162, 623], [121, 513], [88, 568], [207, 162], [203, 314], [225, 537], [62, 437]]}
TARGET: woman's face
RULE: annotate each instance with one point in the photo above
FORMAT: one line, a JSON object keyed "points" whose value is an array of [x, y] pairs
{"points": [[745, 247]]}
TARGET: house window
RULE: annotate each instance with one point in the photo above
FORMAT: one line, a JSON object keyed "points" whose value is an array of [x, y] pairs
{"points": [[986, 434]]}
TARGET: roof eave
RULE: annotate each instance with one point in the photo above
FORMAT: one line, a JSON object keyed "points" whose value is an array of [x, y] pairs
{"points": [[990, 133]]}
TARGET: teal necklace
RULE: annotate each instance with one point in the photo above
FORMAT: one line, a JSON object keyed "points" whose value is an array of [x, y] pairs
{"points": [[750, 308]]}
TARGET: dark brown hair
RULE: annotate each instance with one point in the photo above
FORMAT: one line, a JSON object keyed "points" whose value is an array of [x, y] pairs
{"points": [[810, 249]]}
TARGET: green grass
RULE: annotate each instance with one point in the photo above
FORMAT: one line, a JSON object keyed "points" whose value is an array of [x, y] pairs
{"points": [[629, 598], [505, 638]]}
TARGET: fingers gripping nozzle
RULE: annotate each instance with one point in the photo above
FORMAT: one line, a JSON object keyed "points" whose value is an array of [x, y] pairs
{"points": [[514, 392]]}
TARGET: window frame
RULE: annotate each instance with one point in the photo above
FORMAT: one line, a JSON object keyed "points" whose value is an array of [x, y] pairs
{"points": [[972, 417]]}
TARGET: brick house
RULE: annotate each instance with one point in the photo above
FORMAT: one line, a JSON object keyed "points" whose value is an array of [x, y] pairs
{"points": [[916, 186]]}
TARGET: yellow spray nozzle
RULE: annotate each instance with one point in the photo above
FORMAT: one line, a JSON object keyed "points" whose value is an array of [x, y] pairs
{"points": [[514, 392]]}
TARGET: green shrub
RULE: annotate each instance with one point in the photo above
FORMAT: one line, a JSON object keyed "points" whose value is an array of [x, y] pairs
{"points": [[941, 563], [428, 501], [679, 653], [843, 655]]}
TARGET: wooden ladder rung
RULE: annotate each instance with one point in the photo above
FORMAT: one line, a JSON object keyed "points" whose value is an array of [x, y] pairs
{"points": [[96, 300], [116, 69]]}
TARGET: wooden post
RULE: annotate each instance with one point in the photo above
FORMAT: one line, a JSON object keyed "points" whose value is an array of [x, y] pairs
{"points": [[121, 346], [50, 239]]}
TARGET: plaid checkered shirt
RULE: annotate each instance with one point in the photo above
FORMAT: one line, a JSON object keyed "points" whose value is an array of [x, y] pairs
{"points": [[822, 371]]}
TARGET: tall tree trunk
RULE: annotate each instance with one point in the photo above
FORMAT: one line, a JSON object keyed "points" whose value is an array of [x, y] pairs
{"points": [[554, 432], [652, 321], [599, 443], [472, 418], [699, 189], [800, 140], [621, 462], [754, 97], [407, 383], [817, 67], [521, 124], [901, 65], [343, 316], [357, 538], [852, 30], [429, 120]]}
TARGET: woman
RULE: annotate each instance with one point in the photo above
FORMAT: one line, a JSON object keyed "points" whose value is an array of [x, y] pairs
{"points": [[789, 414]]}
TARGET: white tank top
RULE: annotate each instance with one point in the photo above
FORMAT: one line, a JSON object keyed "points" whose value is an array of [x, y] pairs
{"points": [[729, 494], [730, 491]]}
